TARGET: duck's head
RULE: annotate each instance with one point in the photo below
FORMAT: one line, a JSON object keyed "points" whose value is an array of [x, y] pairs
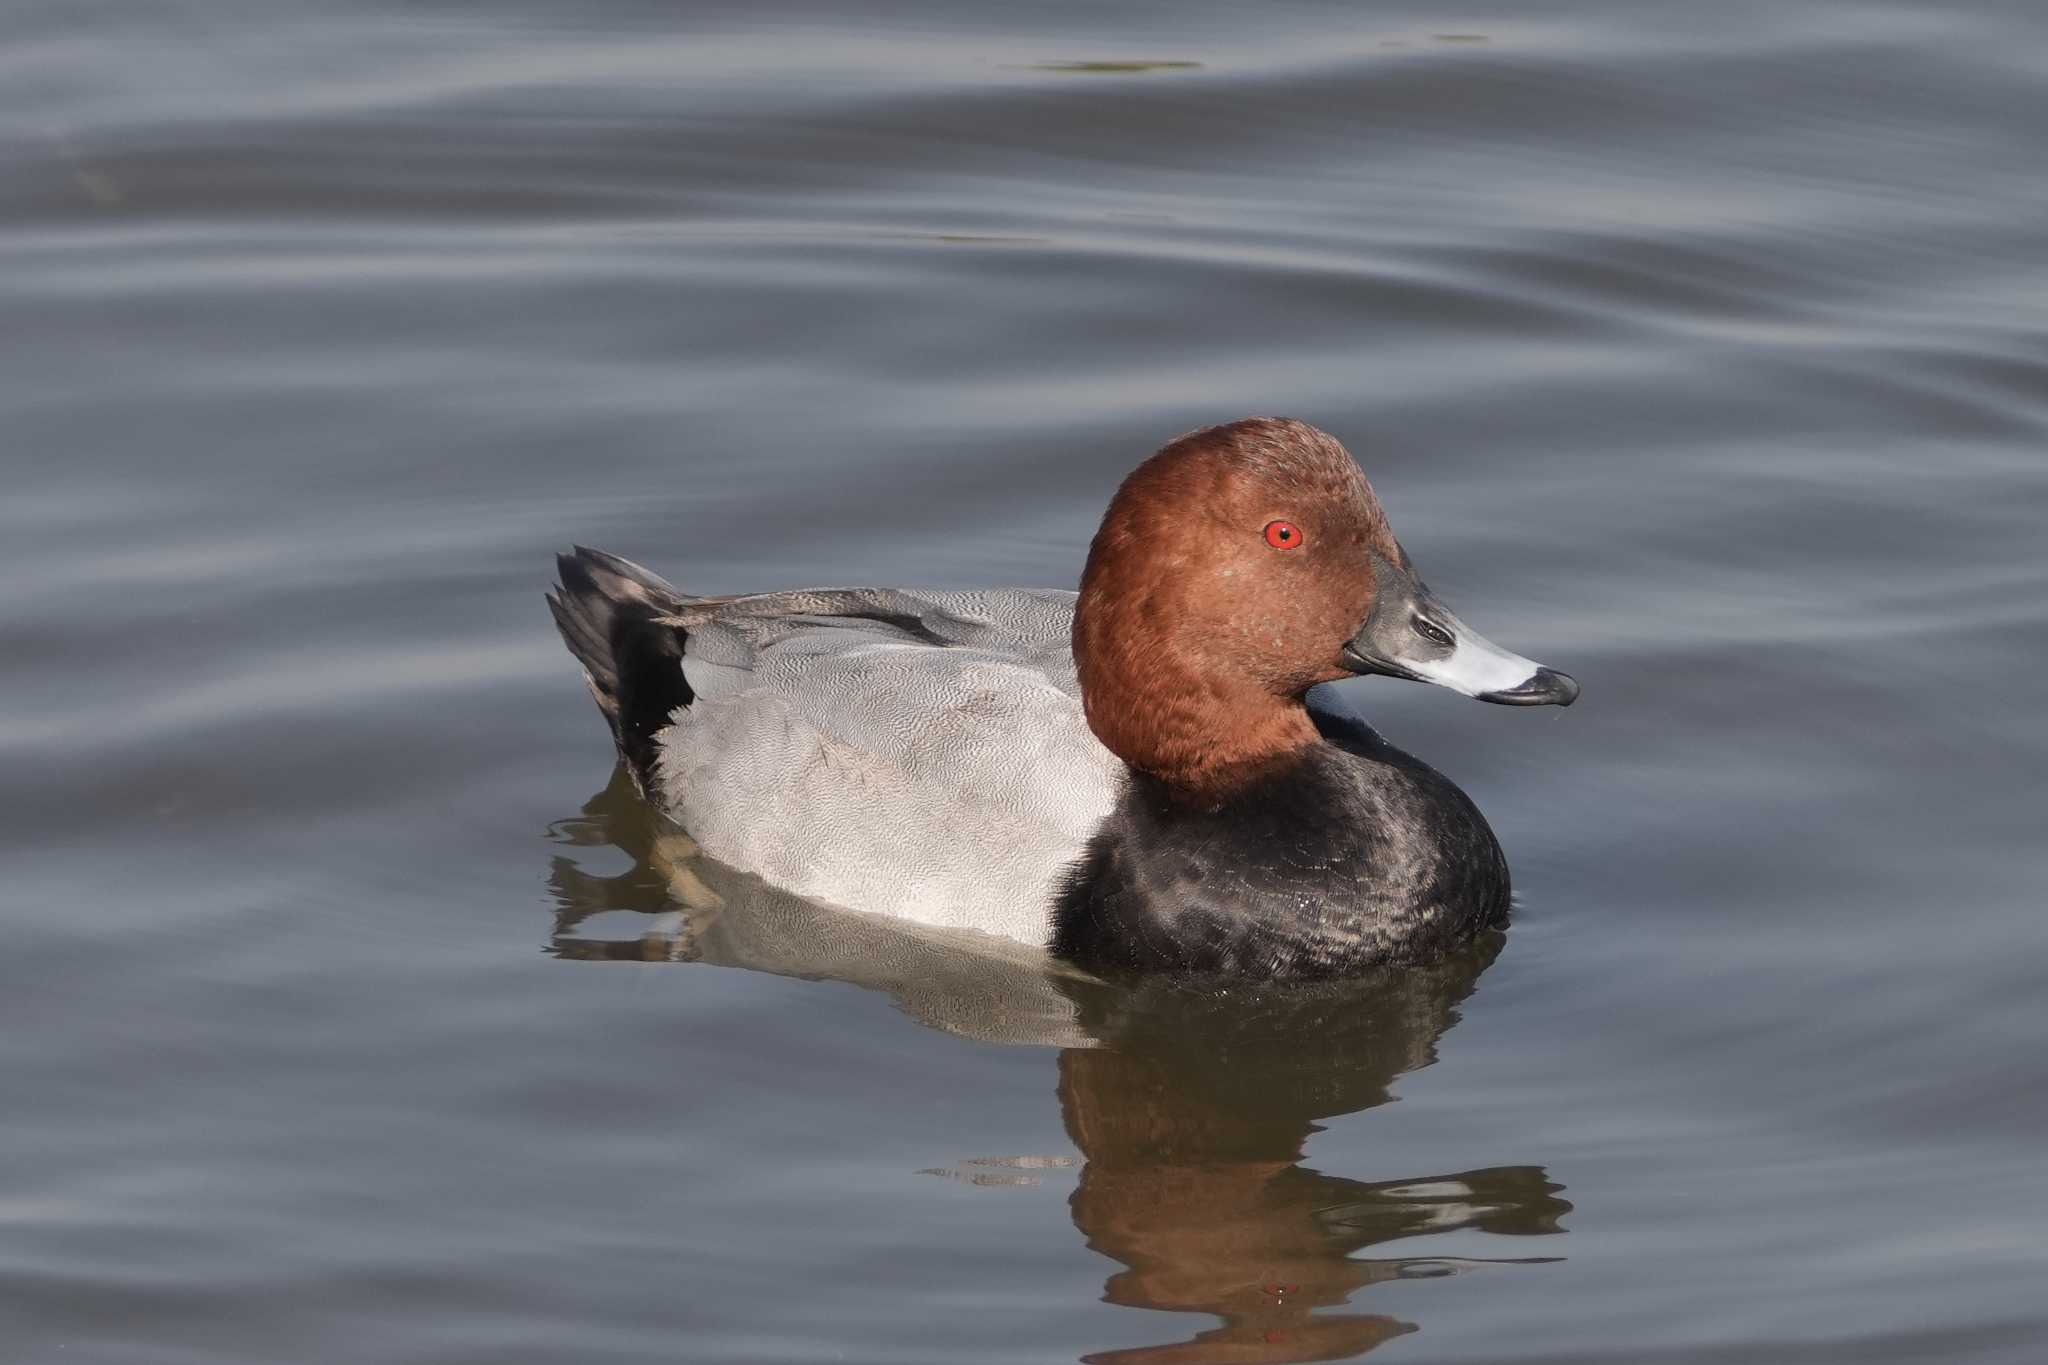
{"points": [[1239, 567]]}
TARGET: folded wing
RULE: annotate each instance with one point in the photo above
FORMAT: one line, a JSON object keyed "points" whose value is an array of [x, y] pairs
{"points": [[918, 754]]}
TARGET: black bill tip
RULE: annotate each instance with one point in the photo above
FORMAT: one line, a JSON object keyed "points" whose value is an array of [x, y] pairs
{"points": [[1544, 687]]}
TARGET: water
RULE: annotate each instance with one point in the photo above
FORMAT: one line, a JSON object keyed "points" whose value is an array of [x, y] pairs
{"points": [[1701, 351]]}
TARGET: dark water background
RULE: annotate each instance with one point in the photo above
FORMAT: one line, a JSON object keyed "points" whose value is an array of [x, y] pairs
{"points": [[1701, 350]]}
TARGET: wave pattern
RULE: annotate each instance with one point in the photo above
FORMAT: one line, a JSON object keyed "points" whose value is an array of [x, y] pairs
{"points": [[1700, 350]]}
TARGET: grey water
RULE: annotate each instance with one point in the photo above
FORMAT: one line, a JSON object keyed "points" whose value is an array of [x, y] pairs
{"points": [[350, 1012]]}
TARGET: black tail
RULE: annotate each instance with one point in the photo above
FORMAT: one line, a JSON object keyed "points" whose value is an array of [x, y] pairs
{"points": [[606, 609]]}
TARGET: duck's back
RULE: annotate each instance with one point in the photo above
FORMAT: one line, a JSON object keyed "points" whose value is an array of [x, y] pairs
{"points": [[916, 754]]}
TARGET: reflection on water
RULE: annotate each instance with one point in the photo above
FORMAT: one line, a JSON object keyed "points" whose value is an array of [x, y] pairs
{"points": [[1192, 1118], [1191, 1108]]}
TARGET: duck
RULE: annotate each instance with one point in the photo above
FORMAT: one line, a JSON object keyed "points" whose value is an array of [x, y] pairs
{"points": [[1149, 775]]}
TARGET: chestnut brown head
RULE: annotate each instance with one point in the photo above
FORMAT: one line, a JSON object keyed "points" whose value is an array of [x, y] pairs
{"points": [[1237, 568]]}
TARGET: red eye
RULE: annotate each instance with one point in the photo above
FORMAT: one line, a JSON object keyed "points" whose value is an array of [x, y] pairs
{"points": [[1282, 535]]}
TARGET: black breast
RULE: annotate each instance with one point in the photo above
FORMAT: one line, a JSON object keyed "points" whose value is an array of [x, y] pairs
{"points": [[1332, 861]]}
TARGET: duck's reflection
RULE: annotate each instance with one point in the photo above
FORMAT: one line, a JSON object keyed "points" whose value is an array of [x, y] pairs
{"points": [[1192, 1122], [1191, 1108]]}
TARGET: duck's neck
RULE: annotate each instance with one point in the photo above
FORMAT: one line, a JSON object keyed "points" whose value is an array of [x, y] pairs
{"points": [[1203, 740]]}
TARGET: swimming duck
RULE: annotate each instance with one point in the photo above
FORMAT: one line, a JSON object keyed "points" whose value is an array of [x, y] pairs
{"points": [[1143, 776]]}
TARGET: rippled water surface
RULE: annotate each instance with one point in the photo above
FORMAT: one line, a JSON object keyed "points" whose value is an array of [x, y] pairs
{"points": [[1701, 350]]}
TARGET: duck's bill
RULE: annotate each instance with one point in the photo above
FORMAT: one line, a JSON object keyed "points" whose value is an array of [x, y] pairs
{"points": [[1412, 635]]}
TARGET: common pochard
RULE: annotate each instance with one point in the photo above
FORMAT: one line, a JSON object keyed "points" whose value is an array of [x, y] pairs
{"points": [[1143, 776]]}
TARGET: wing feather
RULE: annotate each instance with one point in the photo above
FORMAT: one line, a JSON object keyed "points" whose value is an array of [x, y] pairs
{"points": [[916, 754]]}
